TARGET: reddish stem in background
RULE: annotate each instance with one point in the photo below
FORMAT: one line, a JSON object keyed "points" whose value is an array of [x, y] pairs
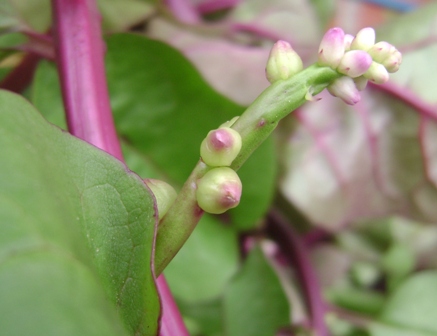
{"points": [[79, 54], [296, 252], [19, 78], [80, 58]]}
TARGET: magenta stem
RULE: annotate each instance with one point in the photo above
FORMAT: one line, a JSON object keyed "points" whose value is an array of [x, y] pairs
{"points": [[80, 59], [171, 320], [296, 252], [79, 54], [19, 78]]}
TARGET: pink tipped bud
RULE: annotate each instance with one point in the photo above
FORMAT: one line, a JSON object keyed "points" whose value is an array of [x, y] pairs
{"points": [[219, 190], [377, 73], [345, 89], [164, 193], [348, 38], [283, 62], [355, 63], [393, 62], [220, 147], [364, 39], [380, 51], [331, 49]]}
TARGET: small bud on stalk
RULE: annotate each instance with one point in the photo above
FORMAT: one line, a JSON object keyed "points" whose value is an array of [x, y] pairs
{"points": [[364, 40], [220, 147], [219, 190], [355, 63], [283, 62], [345, 89], [164, 194], [332, 47]]}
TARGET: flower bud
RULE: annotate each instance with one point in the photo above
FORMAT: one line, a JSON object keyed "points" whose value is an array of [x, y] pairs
{"points": [[331, 49], [345, 89], [165, 195], [283, 62], [380, 51], [393, 62], [219, 190], [364, 39], [355, 63], [348, 38], [377, 73], [220, 147]]}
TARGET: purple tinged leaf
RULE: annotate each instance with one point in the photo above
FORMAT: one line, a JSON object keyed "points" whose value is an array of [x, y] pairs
{"points": [[332, 48], [355, 63]]}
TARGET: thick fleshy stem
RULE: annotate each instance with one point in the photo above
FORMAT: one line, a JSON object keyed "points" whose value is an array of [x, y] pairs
{"points": [[255, 125], [80, 58], [295, 250]]}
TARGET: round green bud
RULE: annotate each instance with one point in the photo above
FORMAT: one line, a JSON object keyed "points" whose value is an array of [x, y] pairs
{"points": [[219, 190], [220, 147], [164, 193]]}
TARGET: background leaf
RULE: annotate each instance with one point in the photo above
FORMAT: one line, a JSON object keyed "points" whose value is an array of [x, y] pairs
{"points": [[254, 303], [57, 193]]}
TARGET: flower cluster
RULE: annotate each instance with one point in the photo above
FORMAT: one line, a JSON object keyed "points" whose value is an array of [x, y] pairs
{"points": [[359, 58], [220, 188]]}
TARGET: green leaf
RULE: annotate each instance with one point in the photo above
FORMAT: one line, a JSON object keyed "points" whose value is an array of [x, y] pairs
{"points": [[412, 309], [165, 109], [119, 15], [255, 303], [205, 264], [81, 223]]}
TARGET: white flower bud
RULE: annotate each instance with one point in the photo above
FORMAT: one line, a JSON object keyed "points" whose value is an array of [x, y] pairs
{"points": [[345, 89], [283, 62], [331, 48], [364, 39], [355, 63], [164, 193]]}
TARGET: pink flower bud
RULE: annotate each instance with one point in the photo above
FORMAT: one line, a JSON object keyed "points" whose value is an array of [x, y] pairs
{"points": [[283, 62], [220, 147], [380, 51], [331, 49], [345, 89], [355, 63], [348, 38], [219, 190], [364, 39], [377, 73], [393, 62]]}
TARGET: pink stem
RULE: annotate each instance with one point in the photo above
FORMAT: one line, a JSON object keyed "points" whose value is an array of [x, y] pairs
{"points": [[19, 78], [79, 53], [171, 320], [80, 58]]}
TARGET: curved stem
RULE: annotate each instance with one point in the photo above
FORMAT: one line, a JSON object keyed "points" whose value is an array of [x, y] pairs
{"points": [[255, 125], [297, 253], [19, 78]]}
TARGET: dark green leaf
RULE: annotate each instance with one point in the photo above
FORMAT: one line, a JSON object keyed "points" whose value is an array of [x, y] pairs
{"points": [[255, 303]]}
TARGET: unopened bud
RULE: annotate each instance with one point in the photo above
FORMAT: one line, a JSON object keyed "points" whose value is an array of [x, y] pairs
{"points": [[345, 89], [283, 62], [348, 38], [165, 195], [355, 63], [393, 62], [380, 51], [219, 190], [331, 48], [220, 147], [364, 39], [377, 73]]}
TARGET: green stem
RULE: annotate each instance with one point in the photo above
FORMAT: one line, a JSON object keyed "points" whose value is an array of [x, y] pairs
{"points": [[255, 125]]}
